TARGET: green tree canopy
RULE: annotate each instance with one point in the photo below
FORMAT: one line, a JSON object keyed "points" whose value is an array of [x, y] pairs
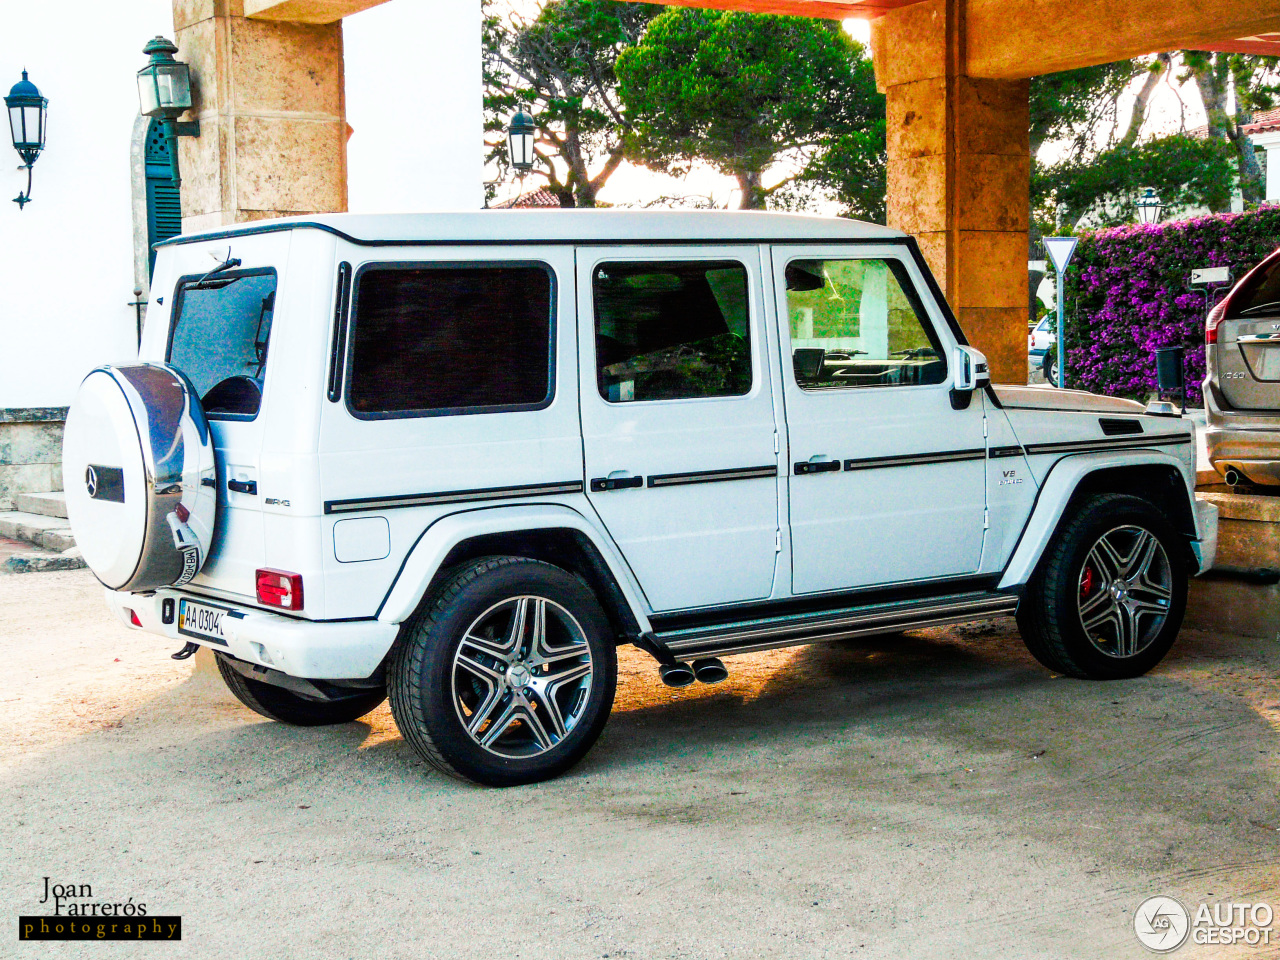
{"points": [[746, 92], [562, 63]]}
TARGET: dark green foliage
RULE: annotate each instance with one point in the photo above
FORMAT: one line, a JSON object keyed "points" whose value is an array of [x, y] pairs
{"points": [[745, 92]]}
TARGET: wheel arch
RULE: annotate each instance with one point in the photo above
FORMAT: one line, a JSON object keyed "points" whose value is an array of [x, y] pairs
{"points": [[554, 534], [1154, 476]]}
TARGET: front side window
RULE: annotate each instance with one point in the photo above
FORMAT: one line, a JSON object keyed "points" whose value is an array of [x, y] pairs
{"points": [[442, 339], [858, 323], [219, 338], [672, 330]]}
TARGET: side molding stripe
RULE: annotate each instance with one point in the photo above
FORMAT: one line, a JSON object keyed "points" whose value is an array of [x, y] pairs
{"points": [[452, 496], [1115, 443], [947, 456], [712, 476]]}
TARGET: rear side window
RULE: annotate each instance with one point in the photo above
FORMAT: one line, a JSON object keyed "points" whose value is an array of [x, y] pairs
{"points": [[219, 338], [433, 340], [1260, 297], [672, 330]]}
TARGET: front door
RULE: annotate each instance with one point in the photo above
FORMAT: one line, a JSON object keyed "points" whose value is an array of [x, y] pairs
{"points": [[678, 420], [887, 481]]}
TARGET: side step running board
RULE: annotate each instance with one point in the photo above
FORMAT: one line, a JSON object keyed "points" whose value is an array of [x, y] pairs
{"points": [[766, 634]]}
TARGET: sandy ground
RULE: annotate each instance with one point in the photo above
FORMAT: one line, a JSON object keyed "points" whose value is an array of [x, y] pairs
{"points": [[930, 795]]}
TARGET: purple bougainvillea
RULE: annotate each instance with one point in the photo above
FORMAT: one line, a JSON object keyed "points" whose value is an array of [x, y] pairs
{"points": [[1129, 292]]}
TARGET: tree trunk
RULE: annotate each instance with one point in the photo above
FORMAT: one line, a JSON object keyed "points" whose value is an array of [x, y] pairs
{"points": [[1139, 115], [752, 190], [1210, 74]]}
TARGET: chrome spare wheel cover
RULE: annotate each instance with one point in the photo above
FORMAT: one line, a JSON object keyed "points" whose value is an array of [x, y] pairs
{"points": [[139, 474], [1124, 591], [522, 677]]}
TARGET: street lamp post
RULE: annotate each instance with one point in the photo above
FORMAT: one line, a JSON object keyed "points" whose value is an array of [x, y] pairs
{"points": [[28, 111], [1149, 206], [164, 92]]}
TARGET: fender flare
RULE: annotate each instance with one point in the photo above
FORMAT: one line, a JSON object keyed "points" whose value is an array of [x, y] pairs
{"points": [[1055, 493], [435, 543]]}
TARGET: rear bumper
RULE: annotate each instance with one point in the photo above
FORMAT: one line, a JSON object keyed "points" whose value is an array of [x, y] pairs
{"points": [[315, 650], [1248, 441], [1205, 545]]}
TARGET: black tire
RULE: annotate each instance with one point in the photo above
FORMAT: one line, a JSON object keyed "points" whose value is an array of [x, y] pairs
{"points": [[1051, 367], [276, 703], [1050, 617], [428, 696]]}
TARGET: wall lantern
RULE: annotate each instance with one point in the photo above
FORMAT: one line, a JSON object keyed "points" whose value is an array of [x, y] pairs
{"points": [[1149, 206], [164, 92], [520, 137], [27, 114]]}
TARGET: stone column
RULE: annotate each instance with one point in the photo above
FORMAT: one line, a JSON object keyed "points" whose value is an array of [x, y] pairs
{"points": [[270, 100], [959, 174]]}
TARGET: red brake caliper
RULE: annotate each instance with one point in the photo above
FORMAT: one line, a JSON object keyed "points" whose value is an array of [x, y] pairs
{"points": [[1086, 582]]}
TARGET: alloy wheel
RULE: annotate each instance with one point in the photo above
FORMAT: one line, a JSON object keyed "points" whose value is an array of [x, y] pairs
{"points": [[1125, 590], [521, 677]]}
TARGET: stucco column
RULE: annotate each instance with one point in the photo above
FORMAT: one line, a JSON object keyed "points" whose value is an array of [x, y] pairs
{"points": [[270, 100], [959, 174]]}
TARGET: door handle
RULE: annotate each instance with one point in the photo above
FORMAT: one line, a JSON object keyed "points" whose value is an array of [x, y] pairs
{"points": [[822, 466], [244, 486], [601, 484]]}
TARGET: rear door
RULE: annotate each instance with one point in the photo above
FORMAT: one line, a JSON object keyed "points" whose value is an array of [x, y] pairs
{"points": [[678, 420], [1248, 348], [220, 337]]}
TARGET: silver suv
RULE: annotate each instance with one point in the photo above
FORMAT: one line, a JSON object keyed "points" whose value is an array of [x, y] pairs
{"points": [[1242, 383]]}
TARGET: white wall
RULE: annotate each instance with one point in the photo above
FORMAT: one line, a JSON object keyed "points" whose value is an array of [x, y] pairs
{"points": [[414, 100], [66, 261]]}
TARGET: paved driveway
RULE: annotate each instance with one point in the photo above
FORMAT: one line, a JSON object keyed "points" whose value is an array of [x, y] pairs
{"points": [[934, 795]]}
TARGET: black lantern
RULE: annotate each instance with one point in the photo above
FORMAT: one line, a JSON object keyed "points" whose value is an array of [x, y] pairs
{"points": [[1149, 206], [28, 112], [164, 92], [520, 137]]}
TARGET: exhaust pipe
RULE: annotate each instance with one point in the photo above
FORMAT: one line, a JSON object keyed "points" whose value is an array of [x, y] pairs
{"points": [[1233, 477], [676, 674], [710, 670]]}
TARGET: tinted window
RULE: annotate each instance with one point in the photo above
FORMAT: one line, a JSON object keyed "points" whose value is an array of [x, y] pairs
{"points": [[221, 329], [451, 338], [1260, 297], [672, 331], [858, 323]]}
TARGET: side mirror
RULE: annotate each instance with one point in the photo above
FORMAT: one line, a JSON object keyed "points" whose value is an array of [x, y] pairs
{"points": [[971, 373]]}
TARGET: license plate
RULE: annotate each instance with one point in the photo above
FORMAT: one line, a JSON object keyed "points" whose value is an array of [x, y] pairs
{"points": [[202, 620]]}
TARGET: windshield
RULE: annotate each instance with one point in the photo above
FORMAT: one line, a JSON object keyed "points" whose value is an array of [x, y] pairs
{"points": [[221, 329]]}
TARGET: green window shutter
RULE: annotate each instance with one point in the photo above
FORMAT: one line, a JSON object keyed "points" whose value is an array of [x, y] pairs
{"points": [[164, 205]]}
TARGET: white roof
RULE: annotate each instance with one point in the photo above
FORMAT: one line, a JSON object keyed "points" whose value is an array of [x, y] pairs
{"points": [[587, 226]]}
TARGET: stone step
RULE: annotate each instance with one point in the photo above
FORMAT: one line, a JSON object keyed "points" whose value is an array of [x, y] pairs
{"points": [[49, 533], [45, 504], [22, 557]]}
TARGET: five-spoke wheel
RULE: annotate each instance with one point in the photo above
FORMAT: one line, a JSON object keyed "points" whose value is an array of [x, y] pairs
{"points": [[507, 674], [1126, 585], [1109, 595], [522, 676]]}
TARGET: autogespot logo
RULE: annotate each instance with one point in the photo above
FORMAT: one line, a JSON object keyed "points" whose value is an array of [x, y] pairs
{"points": [[1161, 923]]}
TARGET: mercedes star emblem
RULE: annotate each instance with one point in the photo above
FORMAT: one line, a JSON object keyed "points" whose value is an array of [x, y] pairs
{"points": [[91, 481]]}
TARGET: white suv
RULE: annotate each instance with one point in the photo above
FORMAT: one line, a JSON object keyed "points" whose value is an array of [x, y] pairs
{"points": [[455, 460]]}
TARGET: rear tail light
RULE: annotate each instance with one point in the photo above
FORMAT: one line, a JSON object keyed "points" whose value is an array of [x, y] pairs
{"points": [[1212, 321], [278, 588]]}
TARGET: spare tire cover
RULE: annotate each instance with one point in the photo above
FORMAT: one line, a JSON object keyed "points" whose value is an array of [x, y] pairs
{"points": [[139, 474]]}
